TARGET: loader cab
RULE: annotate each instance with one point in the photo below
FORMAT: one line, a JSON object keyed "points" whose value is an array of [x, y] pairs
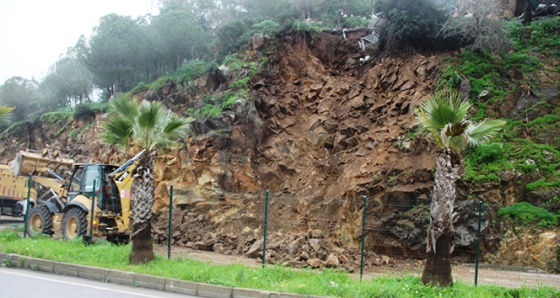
{"points": [[83, 179]]}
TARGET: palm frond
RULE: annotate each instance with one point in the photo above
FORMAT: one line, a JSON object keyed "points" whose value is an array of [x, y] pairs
{"points": [[124, 107], [443, 108], [118, 131], [5, 117], [444, 115], [484, 131], [176, 126], [5, 111], [148, 124]]}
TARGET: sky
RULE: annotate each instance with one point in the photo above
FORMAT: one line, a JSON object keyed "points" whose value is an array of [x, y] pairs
{"points": [[35, 33]]}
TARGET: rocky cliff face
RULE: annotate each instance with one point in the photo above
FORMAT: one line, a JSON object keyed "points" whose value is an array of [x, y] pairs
{"points": [[324, 126]]}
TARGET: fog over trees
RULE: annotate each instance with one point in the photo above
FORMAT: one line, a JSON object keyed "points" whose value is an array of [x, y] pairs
{"points": [[123, 52]]}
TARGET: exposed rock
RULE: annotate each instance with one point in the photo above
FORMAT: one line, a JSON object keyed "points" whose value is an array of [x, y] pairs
{"points": [[529, 247], [315, 263], [257, 41], [318, 234], [255, 249], [332, 261], [320, 131]]}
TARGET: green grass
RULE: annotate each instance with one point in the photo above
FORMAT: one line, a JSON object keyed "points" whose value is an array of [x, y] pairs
{"points": [[512, 150], [542, 34], [526, 214], [273, 278], [57, 116]]}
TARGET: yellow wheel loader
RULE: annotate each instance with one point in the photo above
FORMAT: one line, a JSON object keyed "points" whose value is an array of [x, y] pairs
{"points": [[15, 178], [65, 205]]}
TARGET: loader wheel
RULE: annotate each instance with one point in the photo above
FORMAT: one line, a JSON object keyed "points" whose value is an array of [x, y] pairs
{"points": [[74, 224], [39, 221]]}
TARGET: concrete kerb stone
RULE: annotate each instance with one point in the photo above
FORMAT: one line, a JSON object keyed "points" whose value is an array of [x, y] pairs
{"points": [[213, 291], [141, 280], [14, 260], [120, 277], [250, 293], [92, 273], [181, 286], [40, 265], [150, 282], [285, 295], [65, 269]]}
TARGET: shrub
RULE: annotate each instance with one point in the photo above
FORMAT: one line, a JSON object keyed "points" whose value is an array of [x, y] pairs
{"points": [[73, 134], [449, 78], [489, 177], [308, 26], [140, 87], [191, 70], [266, 27], [354, 22], [522, 61], [525, 213], [210, 110], [56, 117], [83, 112], [232, 36], [229, 100], [526, 168], [409, 26], [488, 153], [542, 34], [240, 84], [542, 183]]}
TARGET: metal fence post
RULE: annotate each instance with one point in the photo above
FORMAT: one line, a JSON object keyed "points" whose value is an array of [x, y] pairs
{"points": [[169, 229], [478, 243], [91, 214], [25, 219], [265, 228], [363, 237]]}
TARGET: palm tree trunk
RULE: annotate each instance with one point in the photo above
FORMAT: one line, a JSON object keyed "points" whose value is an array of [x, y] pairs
{"points": [[142, 201], [437, 270]]}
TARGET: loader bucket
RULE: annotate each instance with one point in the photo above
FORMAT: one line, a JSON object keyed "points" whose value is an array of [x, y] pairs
{"points": [[38, 163]]}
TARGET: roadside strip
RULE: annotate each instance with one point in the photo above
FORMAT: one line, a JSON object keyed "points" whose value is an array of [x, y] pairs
{"points": [[139, 280]]}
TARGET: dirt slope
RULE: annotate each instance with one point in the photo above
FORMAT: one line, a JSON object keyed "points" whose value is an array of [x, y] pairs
{"points": [[325, 125]]}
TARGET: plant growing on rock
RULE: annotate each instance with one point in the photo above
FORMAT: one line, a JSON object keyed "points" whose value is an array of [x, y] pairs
{"points": [[148, 125], [444, 117], [525, 213]]}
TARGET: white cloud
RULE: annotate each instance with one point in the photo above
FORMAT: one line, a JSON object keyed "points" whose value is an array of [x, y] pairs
{"points": [[34, 33]]}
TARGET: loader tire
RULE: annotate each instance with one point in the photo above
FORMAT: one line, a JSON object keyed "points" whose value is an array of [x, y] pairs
{"points": [[39, 221], [74, 224]]}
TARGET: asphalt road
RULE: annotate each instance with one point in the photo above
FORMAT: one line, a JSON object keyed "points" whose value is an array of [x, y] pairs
{"points": [[19, 283], [7, 221]]}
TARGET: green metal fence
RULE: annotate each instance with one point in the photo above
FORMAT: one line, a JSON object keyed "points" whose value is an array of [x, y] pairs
{"points": [[373, 237], [392, 238]]}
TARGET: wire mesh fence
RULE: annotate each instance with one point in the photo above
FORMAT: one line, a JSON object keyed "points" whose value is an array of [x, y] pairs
{"points": [[380, 237]]}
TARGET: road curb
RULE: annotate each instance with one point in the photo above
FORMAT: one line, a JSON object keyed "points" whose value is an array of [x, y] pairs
{"points": [[181, 286], [138, 280]]}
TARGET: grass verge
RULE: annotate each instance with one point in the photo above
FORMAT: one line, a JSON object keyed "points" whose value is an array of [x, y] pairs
{"points": [[327, 282]]}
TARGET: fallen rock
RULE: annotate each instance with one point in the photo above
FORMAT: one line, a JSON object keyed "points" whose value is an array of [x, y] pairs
{"points": [[332, 261], [315, 263]]}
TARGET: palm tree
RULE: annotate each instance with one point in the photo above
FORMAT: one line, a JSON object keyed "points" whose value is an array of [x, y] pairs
{"points": [[444, 117], [147, 125], [4, 117]]}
